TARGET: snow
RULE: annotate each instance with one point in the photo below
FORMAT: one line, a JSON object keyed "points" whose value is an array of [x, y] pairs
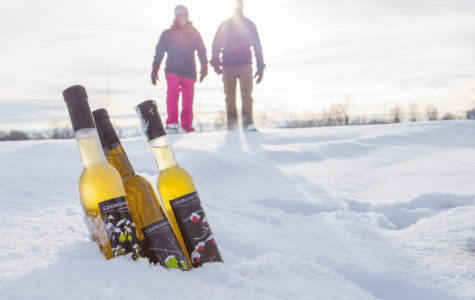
{"points": [[356, 212]]}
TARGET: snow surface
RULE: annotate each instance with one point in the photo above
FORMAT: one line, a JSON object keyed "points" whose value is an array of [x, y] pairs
{"points": [[360, 212]]}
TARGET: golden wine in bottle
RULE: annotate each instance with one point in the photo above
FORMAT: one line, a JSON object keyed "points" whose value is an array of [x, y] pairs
{"points": [[100, 186], [178, 193], [154, 231]]}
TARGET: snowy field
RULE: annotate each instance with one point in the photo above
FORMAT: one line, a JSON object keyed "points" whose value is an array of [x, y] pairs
{"points": [[361, 212]]}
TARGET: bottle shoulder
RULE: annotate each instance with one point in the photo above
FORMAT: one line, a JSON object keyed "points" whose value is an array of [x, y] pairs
{"points": [[177, 180], [174, 171], [100, 168], [134, 178], [136, 184], [100, 182]]}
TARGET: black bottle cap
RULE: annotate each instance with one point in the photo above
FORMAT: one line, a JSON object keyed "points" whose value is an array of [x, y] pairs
{"points": [[106, 131], [78, 107], [152, 125]]}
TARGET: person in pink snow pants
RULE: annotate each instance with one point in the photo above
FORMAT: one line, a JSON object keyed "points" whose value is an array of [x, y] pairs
{"points": [[180, 43]]}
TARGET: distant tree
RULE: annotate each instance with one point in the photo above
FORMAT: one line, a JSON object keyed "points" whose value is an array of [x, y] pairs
{"points": [[335, 113], [448, 116], [344, 108], [414, 112], [60, 132], [310, 119], [13, 135], [220, 121], [359, 120], [396, 113], [379, 119], [432, 113], [471, 114], [331, 116], [37, 136], [264, 119], [200, 126]]}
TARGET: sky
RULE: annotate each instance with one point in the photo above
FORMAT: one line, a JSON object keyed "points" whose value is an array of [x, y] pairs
{"points": [[377, 212], [374, 54]]}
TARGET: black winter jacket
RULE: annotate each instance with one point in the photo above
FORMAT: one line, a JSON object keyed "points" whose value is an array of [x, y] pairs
{"points": [[234, 39], [180, 45]]}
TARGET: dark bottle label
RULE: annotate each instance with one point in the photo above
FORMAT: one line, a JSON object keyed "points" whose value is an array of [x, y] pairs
{"points": [[195, 229], [120, 228], [161, 246]]}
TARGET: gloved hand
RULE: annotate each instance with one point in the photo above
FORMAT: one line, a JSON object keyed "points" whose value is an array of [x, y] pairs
{"points": [[218, 70], [203, 72], [216, 64], [154, 75], [259, 74]]}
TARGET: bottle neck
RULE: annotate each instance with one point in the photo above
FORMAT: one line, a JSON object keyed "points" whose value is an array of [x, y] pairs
{"points": [[163, 153], [89, 147], [117, 158]]}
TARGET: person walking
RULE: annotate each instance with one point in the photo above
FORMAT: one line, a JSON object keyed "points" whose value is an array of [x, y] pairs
{"points": [[180, 43], [233, 40]]}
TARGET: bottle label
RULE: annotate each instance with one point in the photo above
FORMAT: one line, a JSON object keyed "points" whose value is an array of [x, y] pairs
{"points": [[195, 229], [120, 228], [161, 246]]}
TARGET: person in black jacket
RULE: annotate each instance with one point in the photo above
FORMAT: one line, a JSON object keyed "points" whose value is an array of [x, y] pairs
{"points": [[233, 40], [180, 43]]}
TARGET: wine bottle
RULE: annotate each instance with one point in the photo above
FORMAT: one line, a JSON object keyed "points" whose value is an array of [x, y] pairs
{"points": [[153, 229], [100, 186], [177, 192]]}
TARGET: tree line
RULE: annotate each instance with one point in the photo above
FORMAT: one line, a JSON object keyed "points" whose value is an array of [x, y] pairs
{"points": [[335, 115]]}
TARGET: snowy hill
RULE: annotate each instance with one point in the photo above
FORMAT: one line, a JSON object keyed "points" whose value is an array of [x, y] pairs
{"points": [[360, 212]]}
